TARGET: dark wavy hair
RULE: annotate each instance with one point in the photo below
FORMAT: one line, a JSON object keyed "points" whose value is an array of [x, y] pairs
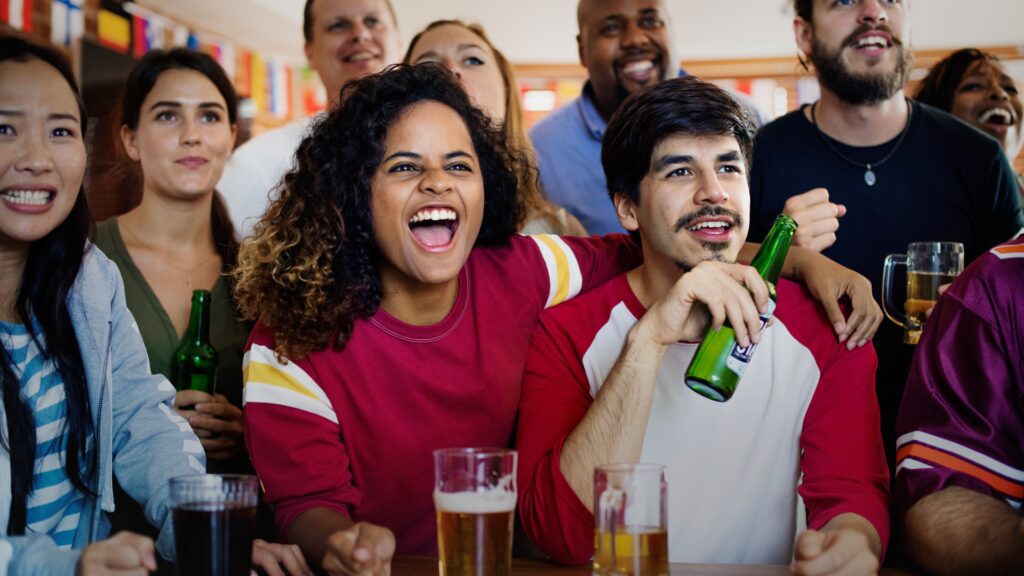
{"points": [[41, 305], [310, 270], [127, 175], [938, 88]]}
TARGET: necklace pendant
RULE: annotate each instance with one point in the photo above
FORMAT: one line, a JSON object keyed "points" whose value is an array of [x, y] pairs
{"points": [[869, 177]]}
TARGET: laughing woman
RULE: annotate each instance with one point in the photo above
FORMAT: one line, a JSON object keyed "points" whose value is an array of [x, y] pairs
{"points": [[394, 306]]}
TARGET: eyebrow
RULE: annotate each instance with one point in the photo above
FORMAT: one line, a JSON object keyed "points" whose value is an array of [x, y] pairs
{"points": [[415, 156], [666, 161], [170, 104], [57, 116]]}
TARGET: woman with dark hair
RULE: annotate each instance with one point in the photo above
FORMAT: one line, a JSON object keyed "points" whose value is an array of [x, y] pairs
{"points": [[178, 123], [488, 78], [67, 341], [974, 86], [394, 306]]}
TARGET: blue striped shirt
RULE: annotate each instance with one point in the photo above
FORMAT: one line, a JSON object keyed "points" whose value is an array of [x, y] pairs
{"points": [[54, 505]]}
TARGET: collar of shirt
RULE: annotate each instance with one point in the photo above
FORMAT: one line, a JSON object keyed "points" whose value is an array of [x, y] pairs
{"points": [[588, 111]]}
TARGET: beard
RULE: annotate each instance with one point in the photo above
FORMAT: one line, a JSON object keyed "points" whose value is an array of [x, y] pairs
{"points": [[715, 249], [861, 89]]}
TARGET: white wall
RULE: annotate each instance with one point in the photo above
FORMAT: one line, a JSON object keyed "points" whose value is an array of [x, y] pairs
{"points": [[543, 31]]}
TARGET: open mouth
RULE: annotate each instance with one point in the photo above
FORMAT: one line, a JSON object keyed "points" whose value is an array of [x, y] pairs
{"points": [[434, 228], [996, 117], [711, 228], [28, 198], [639, 71], [359, 57]]}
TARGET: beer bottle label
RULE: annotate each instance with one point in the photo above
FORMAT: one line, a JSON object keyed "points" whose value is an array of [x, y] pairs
{"points": [[741, 355]]}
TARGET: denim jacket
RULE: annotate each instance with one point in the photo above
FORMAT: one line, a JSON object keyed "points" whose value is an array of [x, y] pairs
{"points": [[141, 439]]}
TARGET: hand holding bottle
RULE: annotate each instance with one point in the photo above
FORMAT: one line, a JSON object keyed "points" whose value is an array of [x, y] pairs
{"points": [[216, 422]]}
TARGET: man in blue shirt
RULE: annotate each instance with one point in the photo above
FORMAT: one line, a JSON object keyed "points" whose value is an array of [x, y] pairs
{"points": [[625, 46]]}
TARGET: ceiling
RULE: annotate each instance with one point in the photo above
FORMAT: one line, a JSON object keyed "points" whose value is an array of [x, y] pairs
{"points": [[543, 31]]}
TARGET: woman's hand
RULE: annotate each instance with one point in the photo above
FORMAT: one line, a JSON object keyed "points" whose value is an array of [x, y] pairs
{"points": [[124, 554], [362, 549], [279, 559], [216, 422]]}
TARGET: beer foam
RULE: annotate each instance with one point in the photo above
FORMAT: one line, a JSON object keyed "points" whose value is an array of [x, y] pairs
{"points": [[488, 502]]}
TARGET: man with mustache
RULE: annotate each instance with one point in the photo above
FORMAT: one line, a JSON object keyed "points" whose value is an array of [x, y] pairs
{"points": [[625, 46], [345, 40], [893, 170], [604, 380]]}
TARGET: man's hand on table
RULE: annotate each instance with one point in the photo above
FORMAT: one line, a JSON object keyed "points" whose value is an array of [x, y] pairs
{"points": [[362, 550]]}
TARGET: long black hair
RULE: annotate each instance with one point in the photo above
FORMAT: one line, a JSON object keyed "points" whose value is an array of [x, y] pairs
{"points": [[41, 305], [139, 84], [939, 87]]}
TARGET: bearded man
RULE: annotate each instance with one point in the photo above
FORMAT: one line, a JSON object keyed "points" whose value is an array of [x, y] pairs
{"points": [[895, 171]]}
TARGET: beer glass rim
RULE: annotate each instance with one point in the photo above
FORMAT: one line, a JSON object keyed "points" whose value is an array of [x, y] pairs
{"points": [[474, 452], [955, 247], [207, 479]]}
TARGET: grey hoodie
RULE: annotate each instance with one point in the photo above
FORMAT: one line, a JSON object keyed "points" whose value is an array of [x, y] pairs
{"points": [[140, 437]]}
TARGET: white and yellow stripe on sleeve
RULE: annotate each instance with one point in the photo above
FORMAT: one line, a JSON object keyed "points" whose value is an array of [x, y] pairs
{"points": [[268, 381], [564, 276]]}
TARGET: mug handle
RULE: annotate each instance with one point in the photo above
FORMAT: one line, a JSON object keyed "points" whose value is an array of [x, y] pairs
{"points": [[892, 312]]}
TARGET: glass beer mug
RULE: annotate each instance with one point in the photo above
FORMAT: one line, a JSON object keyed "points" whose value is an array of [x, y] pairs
{"points": [[929, 265], [630, 520], [475, 498]]}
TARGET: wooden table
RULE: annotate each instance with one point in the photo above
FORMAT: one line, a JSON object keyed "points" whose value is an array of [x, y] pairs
{"points": [[427, 566]]}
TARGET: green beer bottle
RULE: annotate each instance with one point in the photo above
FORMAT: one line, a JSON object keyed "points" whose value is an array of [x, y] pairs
{"points": [[195, 360], [719, 363]]}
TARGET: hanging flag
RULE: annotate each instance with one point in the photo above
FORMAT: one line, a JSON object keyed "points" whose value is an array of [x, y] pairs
{"points": [[243, 74], [227, 60], [258, 83], [67, 21], [140, 37], [114, 31], [17, 14], [280, 88]]}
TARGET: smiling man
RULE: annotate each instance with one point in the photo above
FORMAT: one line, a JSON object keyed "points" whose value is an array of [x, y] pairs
{"points": [[626, 45], [894, 171], [345, 40], [605, 374]]}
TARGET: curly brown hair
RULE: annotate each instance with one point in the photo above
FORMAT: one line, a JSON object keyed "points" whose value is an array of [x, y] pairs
{"points": [[310, 270]]}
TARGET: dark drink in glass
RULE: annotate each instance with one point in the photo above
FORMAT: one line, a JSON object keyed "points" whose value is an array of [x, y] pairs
{"points": [[214, 517], [214, 538]]}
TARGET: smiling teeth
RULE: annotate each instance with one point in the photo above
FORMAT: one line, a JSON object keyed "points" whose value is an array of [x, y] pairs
{"points": [[872, 41], [360, 57], [703, 225], [436, 215], [30, 197], [638, 67], [1003, 114]]}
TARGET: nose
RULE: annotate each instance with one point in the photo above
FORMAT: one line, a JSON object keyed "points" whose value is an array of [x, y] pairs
{"points": [[453, 68], [634, 36], [998, 92], [190, 132], [872, 12], [360, 33], [436, 181], [710, 191], [35, 157]]}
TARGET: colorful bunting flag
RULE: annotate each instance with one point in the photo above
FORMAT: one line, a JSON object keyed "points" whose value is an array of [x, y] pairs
{"points": [[17, 14], [67, 21], [114, 31]]}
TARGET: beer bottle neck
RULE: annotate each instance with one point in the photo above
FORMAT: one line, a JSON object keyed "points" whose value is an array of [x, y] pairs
{"points": [[772, 254], [199, 318]]}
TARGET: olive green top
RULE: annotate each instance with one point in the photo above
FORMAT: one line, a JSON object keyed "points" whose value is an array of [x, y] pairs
{"points": [[228, 334]]}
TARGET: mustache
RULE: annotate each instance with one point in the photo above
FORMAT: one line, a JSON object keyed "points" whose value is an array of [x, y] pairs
{"points": [[852, 38], [687, 220]]}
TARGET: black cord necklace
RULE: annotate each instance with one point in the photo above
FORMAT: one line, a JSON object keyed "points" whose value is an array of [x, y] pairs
{"points": [[869, 174]]}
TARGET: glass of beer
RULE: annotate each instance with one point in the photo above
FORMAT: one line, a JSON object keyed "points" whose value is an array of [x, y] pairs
{"points": [[630, 520], [214, 516], [929, 265], [475, 498]]}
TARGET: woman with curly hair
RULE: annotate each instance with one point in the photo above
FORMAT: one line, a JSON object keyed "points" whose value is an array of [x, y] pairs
{"points": [[488, 78], [974, 86], [394, 306]]}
